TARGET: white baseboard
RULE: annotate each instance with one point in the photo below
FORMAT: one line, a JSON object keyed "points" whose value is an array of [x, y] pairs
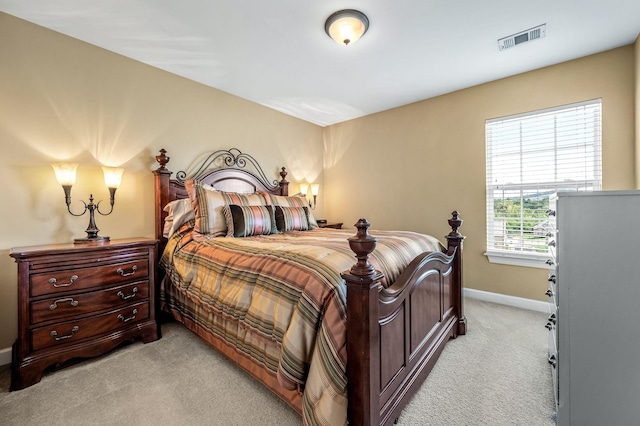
{"points": [[5, 356], [503, 299]]}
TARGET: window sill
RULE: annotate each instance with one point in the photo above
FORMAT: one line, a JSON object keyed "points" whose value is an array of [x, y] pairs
{"points": [[530, 260]]}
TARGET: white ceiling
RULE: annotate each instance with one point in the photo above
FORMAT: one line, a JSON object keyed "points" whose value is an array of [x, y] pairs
{"points": [[277, 54]]}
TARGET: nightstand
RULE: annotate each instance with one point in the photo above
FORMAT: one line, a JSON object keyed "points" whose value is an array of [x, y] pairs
{"points": [[80, 301], [335, 225]]}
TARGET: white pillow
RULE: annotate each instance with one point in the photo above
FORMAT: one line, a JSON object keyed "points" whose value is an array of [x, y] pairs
{"points": [[180, 211]]}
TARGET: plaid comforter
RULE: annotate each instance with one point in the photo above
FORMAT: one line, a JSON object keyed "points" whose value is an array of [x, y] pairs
{"points": [[279, 299]]}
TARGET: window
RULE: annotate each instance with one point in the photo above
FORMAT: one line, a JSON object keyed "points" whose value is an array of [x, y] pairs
{"points": [[530, 157]]}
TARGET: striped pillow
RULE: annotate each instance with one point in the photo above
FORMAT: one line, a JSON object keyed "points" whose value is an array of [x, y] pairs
{"points": [[245, 221], [292, 201], [207, 204], [292, 218]]}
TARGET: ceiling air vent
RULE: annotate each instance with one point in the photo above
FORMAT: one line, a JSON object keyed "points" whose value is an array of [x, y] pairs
{"points": [[522, 37]]}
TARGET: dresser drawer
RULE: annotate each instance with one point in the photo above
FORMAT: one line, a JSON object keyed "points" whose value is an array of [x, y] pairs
{"points": [[73, 305], [69, 332], [85, 278]]}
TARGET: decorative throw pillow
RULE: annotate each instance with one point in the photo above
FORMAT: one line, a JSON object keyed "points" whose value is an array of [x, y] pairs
{"points": [[179, 212], [292, 218], [250, 220], [298, 200], [244, 200], [207, 204]]}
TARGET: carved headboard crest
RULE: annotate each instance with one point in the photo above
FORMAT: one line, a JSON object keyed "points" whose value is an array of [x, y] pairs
{"points": [[230, 158]]}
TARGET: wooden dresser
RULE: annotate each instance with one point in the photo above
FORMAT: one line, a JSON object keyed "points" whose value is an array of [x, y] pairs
{"points": [[79, 301], [594, 291]]}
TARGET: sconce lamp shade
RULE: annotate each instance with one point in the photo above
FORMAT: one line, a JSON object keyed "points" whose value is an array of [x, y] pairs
{"points": [[65, 173], [314, 189], [112, 176], [346, 26], [304, 188]]}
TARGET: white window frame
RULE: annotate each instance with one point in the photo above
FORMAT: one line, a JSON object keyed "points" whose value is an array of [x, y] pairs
{"points": [[524, 258]]}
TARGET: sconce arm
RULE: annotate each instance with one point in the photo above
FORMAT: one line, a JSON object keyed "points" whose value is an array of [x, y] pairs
{"points": [[67, 200], [112, 200]]}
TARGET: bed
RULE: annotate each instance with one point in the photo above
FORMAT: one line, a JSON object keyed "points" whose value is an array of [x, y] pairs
{"points": [[290, 303]]}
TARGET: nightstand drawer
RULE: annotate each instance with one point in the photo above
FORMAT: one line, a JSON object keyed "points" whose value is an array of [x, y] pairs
{"points": [[87, 303], [84, 278], [74, 331]]}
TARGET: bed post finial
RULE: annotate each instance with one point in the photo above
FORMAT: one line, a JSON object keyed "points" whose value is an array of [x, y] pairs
{"points": [[162, 159], [455, 222], [362, 245]]}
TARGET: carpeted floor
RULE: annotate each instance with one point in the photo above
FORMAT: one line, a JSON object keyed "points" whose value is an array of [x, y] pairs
{"points": [[495, 375]]}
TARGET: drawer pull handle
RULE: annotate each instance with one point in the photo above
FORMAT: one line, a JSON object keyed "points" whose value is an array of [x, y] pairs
{"points": [[133, 316], [56, 285], [123, 297], [552, 360], [54, 334], [134, 268], [66, 299]]}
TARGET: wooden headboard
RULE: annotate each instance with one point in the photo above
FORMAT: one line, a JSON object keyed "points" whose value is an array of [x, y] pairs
{"points": [[230, 171]]}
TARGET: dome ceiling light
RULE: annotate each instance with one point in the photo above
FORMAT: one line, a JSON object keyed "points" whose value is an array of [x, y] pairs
{"points": [[346, 26]]}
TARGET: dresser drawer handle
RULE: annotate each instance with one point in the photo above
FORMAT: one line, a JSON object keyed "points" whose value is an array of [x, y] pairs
{"points": [[66, 299], [54, 334], [133, 316], [123, 297], [134, 268], [56, 285]]}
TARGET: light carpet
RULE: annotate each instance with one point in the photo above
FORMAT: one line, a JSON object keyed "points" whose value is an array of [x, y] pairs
{"points": [[497, 374]]}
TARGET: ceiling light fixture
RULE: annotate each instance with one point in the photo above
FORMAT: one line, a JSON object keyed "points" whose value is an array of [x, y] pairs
{"points": [[346, 26]]}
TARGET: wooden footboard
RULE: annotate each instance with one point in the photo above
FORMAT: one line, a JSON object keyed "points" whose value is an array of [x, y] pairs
{"points": [[395, 334]]}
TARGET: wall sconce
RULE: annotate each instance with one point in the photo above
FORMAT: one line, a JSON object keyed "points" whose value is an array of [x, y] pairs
{"points": [[66, 176], [304, 189], [346, 26]]}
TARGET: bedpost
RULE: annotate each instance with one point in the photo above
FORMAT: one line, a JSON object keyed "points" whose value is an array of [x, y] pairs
{"points": [[363, 338], [455, 239], [284, 184], [161, 178]]}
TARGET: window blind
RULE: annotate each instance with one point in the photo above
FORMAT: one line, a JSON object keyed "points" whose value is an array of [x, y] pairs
{"points": [[532, 156]]}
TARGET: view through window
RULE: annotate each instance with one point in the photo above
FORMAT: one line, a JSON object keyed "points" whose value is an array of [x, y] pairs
{"points": [[529, 158]]}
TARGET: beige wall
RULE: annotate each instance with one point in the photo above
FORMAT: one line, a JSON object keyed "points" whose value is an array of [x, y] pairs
{"points": [[67, 100], [410, 167]]}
